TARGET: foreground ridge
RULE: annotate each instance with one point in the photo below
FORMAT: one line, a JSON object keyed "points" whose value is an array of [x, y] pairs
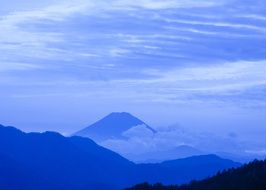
{"points": [[250, 176], [51, 161]]}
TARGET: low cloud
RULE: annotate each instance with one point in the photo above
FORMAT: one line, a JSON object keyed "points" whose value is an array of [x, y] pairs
{"points": [[140, 141]]}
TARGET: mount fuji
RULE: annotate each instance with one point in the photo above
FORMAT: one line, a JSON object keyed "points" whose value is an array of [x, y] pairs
{"points": [[113, 126]]}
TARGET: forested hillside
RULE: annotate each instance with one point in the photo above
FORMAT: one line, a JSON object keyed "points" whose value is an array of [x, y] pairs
{"points": [[251, 176]]}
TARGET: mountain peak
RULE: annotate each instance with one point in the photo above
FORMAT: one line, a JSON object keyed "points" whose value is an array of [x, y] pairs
{"points": [[112, 126], [122, 115]]}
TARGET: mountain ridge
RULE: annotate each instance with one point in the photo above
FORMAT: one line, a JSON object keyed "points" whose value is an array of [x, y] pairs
{"points": [[251, 176], [68, 163]]}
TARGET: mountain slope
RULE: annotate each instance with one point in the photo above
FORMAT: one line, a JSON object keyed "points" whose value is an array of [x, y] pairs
{"points": [[112, 126], [196, 167], [51, 161], [251, 176], [61, 160]]}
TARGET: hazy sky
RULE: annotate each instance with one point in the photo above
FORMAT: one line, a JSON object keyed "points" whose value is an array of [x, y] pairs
{"points": [[198, 63]]}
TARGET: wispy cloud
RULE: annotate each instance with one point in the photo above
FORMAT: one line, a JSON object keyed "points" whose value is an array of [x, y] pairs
{"points": [[217, 84], [253, 16], [218, 24], [9, 66], [166, 4]]}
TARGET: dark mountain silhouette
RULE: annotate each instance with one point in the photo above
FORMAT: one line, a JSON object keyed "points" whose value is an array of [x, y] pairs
{"points": [[196, 167], [64, 163], [112, 126], [51, 161], [250, 176]]}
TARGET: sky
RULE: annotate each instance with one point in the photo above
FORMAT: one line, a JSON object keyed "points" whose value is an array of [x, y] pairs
{"points": [[200, 64]]}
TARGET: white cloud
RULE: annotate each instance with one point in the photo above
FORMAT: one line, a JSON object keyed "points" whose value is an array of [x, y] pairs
{"points": [[166, 4], [9, 66], [210, 33], [168, 138], [118, 52], [185, 85], [217, 24], [59, 10], [253, 16], [218, 77]]}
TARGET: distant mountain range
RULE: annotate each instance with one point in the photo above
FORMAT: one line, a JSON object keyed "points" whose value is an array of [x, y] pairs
{"points": [[112, 127], [251, 176], [182, 151], [51, 161]]}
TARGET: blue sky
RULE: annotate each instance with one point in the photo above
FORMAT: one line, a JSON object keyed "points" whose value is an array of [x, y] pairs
{"points": [[199, 63]]}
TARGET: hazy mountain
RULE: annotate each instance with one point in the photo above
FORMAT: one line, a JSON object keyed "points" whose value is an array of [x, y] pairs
{"points": [[112, 127], [251, 176], [182, 151], [241, 157], [51, 161]]}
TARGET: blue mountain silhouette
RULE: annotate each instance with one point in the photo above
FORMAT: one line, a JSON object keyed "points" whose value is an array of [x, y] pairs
{"points": [[51, 161], [112, 126]]}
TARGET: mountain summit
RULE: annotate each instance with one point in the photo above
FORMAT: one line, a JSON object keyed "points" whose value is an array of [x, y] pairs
{"points": [[112, 126]]}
